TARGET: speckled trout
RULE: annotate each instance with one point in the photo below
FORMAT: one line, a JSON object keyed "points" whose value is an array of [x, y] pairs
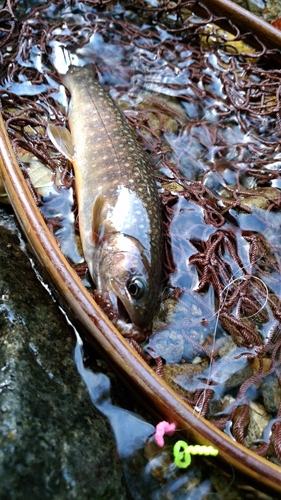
{"points": [[118, 202]]}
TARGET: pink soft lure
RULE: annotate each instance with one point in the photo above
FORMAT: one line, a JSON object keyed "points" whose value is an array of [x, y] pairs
{"points": [[161, 429]]}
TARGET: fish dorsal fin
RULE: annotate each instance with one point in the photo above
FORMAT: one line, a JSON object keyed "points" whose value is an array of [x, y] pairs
{"points": [[101, 225], [61, 139]]}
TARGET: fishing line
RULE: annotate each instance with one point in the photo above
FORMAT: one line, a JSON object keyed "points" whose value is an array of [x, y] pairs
{"points": [[201, 400]]}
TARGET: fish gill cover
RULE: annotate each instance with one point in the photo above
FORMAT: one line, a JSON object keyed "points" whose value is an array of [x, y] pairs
{"points": [[208, 105]]}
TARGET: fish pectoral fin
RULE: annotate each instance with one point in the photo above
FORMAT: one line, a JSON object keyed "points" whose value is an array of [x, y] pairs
{"points": [[61, 139], [101, 225]]}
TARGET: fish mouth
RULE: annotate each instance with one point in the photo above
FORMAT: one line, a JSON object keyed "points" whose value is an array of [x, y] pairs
{"points": [[119, 306], [122, 311]]}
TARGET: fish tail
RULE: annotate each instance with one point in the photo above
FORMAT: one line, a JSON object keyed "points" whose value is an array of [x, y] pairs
{"points": [[64, 58], [66, 61]]}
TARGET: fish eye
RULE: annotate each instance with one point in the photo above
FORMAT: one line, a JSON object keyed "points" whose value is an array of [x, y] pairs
{"points": [[136, 288]]}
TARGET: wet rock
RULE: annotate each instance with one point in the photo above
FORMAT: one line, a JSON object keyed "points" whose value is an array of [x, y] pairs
{"points": [[271, 393], [229, 490], [259, 419], [167, 344], [242, 3], [230, 373], [269, 10], [54, 443], [183, 378], [256, 6], [225, 345], [261, 198]]}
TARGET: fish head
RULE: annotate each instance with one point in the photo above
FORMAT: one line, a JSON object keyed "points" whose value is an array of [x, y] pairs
{"points": [[124, 271]]}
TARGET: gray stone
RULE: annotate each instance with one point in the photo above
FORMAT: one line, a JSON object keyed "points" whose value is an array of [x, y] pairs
{"points": [[256, 6], [168, 344], [269, 10], [54, 443], [271, 393]]}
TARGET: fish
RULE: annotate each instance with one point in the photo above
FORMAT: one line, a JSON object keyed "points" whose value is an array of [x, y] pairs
{"points": [[119, 211]]}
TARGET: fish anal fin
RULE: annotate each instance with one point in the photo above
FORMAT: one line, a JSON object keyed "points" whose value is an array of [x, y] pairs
{"points": [[61, 139]]}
